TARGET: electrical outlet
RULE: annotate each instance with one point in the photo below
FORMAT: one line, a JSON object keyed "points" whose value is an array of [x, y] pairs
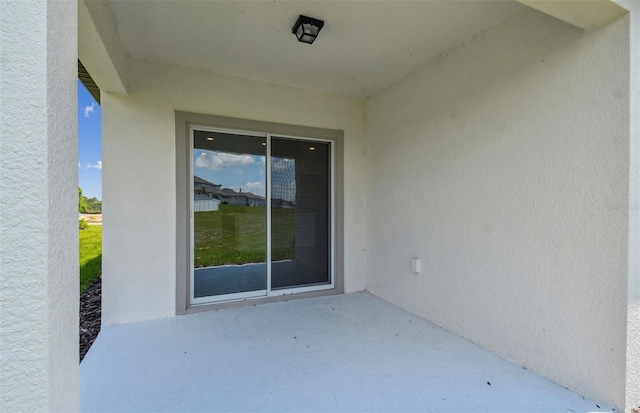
{"points": [[416, 265]]}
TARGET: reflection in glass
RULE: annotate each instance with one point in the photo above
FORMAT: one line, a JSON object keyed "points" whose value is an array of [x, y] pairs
{"points": [[300, 213], [229, 214]]}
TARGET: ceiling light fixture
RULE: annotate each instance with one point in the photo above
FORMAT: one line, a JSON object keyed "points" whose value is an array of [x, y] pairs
{"points": [[209, 138], [306, 29]]}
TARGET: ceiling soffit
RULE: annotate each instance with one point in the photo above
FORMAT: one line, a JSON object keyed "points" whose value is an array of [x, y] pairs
{"points": [[363, 48]]}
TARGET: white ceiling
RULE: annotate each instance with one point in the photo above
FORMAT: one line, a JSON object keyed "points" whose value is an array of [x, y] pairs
{"points": [[364, 47]]}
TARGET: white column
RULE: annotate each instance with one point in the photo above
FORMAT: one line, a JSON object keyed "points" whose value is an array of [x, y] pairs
{"points": [[632, 395], [38, 206]]}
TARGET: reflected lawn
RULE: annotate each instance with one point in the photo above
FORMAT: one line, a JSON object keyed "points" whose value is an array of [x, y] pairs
{"points": [[237, 235]]}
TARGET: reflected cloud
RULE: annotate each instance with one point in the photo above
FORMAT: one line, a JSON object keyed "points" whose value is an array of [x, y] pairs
{"points": [[222, 160], [283, 179], [256, 187]]}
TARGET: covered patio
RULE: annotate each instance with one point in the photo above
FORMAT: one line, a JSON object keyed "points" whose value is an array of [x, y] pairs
{"points": [[484, 177], [350, 353]]}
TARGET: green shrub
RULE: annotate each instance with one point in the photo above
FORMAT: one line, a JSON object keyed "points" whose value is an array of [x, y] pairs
{"points": [[82, 224]]}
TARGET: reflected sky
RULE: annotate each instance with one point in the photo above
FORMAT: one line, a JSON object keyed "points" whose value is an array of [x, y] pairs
{"points": [[246, 172]]}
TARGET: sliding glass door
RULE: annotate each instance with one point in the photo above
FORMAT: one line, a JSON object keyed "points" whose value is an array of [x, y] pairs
{"points": [[300, 213], [261, 215], [229, 218]]}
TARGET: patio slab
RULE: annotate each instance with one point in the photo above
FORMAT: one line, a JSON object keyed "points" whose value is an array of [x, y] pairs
{"points": [[348, 353]]}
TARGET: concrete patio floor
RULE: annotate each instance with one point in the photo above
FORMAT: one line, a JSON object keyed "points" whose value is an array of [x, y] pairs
{"points": [[347, 353]]}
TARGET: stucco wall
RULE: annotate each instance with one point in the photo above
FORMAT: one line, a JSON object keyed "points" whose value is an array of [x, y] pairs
{"points": [[633, 310], [511, 156], [139, 163], [38, 207]]}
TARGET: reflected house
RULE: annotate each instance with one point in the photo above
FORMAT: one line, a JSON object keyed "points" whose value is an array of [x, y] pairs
{"points": [[256, 200], [208, 196], [282, 203], [230, 197], [203, 189], [204, 195]]}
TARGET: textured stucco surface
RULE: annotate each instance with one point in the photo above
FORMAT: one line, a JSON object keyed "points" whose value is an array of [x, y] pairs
{"points": [[38, 207], [99, 46], [513, 190], [633, 347], [139, 164], [633, 310], [583, 14]]}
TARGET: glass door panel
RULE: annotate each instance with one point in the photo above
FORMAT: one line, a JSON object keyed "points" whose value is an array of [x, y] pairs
{"points": [[300, 213], [229, 216]]}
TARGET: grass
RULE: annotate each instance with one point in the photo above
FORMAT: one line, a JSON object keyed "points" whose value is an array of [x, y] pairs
{"points": [[90, 255], [231, 235], [237, 235]]}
